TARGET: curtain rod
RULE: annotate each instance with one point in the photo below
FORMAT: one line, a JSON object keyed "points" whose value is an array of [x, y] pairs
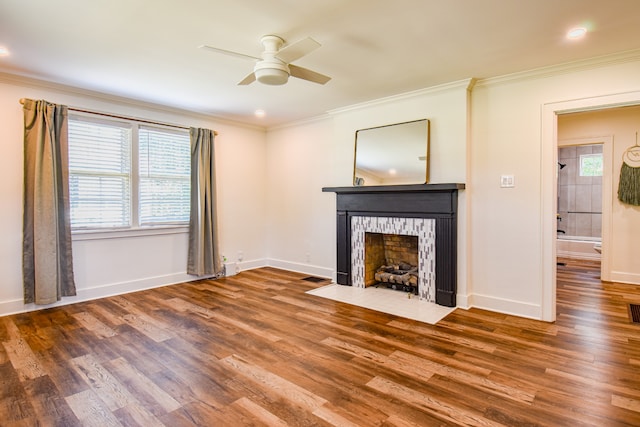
{"points": [[115, 116]]}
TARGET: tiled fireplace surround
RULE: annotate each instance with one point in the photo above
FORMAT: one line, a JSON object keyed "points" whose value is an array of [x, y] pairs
{"points": [[423, 228], [428, 211]]}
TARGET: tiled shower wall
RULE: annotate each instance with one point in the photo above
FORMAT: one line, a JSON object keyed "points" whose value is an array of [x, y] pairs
{"points": [[579, 197]]}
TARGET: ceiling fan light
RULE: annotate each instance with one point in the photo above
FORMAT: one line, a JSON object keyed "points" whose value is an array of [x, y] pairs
{"points": [[272, 76]]}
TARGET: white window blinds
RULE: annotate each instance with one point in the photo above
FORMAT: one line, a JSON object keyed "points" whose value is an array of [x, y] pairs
{"points": [[99, 174], [165, 165]]}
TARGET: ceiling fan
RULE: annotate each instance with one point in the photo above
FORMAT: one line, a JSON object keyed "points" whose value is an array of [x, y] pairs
{"points": [[274, 66]]}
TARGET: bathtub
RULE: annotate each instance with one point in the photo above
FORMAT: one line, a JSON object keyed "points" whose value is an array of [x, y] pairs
{"points": [[579, 247]]}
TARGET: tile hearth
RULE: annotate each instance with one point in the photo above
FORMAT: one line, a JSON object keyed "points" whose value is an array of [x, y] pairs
{"points": [[385, 300]]}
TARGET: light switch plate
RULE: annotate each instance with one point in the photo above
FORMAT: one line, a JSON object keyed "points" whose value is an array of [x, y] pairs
{"points": [[507, 181]]}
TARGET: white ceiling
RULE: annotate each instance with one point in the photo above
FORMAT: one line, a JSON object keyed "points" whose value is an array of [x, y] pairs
{"points": [[148, 49]]}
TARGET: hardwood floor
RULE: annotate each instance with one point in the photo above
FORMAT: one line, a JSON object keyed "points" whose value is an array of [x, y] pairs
{"points": [[254, 349]]}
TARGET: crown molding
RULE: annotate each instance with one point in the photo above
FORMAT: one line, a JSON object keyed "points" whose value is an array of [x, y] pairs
{"points": [[101, 96], [458, 84], [301, 122], [455, 85], [564, 68]]}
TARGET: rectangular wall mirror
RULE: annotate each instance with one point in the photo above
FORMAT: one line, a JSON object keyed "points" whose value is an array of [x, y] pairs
{"points": [[396, 154]]}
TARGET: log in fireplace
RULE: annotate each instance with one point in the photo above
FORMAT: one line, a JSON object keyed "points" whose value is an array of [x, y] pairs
{"points": [[391, 260], [437, 202]]}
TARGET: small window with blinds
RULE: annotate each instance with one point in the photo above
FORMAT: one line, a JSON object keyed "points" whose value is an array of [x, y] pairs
{"points": [[124, 175]]}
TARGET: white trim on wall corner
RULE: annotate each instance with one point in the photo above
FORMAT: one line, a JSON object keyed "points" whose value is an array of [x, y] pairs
{"points": [[312, 270], [505, 306], [251, 265], [622, 277], [462, 301]]}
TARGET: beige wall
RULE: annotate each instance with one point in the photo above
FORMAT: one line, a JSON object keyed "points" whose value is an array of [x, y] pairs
{"points": [[300, 217]]}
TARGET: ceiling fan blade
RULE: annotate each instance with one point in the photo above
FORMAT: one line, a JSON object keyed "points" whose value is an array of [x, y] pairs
{"points": [[305, 74], [297, 50], [228, 52], [248, 80]]}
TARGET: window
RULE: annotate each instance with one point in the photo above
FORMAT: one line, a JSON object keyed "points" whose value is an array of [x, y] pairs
{"points": [[165, 166], [591, 164], [99, 174], [123, 174]]}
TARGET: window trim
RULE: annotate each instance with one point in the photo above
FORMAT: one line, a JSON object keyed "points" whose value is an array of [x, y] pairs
{"points": [[123, 233]]}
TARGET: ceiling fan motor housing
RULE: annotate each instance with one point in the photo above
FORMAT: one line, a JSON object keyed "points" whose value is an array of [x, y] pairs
{"points": [[271, 72]]}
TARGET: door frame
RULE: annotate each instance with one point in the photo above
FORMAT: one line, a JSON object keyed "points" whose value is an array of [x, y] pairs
{"points": [[549, 185]]}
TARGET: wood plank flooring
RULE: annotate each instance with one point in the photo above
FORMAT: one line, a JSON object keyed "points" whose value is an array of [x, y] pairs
{"points": [[254, 349]]}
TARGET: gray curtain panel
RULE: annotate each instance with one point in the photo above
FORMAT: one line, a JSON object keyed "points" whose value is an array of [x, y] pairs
{"points": [[47, 260], [204, 258]]}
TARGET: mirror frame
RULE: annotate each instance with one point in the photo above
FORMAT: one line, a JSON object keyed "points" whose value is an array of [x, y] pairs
{"points": [[388, 127]]}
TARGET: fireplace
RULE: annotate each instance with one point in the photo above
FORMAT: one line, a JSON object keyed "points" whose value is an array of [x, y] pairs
{"points": [[427, 211], [391, 260]]}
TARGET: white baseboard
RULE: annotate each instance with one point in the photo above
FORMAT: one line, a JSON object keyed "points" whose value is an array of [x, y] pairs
{"points": [[312, 270], [251, 265], [505, 306], [622, 277], [285, 265], [18, 306]]}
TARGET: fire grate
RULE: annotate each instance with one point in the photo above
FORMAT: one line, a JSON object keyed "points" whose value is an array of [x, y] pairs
{"points": [[314, 279], [634, 313]]}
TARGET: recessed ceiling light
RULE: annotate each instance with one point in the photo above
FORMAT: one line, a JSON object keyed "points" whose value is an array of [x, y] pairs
{"points": [[576, 33], [260, 113], [4, 51]]}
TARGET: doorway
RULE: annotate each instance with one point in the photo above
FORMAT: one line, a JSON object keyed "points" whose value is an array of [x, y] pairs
{"points": [[580, 199], [552, 131]]}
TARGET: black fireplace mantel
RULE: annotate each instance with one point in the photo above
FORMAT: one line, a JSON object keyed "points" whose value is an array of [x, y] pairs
{"points": [[437, 201], [408, 188]]}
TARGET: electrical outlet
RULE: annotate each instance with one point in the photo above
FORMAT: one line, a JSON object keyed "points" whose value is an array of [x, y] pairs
{"points": [[240, 255]]}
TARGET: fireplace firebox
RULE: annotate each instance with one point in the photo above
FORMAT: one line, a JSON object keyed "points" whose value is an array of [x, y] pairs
{"points": [[428, 211], [391, 260]]}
